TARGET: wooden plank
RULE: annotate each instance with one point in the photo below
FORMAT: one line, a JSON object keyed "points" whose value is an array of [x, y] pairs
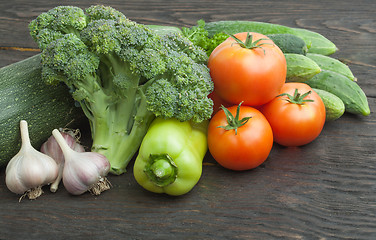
{"points": [[324, 190]]}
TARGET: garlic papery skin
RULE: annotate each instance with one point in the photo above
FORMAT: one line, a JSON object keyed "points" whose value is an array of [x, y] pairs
{"points": [[29, 169], [52, 149], [83, 171]]}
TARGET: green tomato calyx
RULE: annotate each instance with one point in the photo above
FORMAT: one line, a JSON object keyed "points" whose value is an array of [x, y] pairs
{"points": [[233, 122], [297, 98], [161, 169], [249, 43]]}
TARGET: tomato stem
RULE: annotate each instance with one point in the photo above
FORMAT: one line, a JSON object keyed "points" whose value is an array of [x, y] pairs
{"points": [[233, 122], [249, 43], [297, 98]]}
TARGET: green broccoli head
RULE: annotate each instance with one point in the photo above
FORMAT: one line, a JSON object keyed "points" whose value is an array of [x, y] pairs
{"points": [[68, 56], [100, 12], [176, 42], [102, 37], [58, 21], [123, 74], [183, 90]]}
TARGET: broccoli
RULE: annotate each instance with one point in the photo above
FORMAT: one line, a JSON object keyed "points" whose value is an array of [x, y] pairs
{"points": [[122, 74]]}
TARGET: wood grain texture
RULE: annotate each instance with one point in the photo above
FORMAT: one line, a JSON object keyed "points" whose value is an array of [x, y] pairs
{"points": [[324, 190]]}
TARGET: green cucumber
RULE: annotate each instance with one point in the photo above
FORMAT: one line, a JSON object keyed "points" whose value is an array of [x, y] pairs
{"points": [[300, 68], [332, 64], [316, 42], [348, 91], [334, 106], [24, 96], [289, 43], [320, 44]]}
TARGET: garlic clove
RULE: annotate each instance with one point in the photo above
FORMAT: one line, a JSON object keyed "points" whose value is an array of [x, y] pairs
{"points": [[81, 174], [52, 149], [12, 179], [83, 170], [29, 169]]}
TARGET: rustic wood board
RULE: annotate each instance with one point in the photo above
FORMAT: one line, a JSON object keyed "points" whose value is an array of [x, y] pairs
{"points": [[324, 190]]}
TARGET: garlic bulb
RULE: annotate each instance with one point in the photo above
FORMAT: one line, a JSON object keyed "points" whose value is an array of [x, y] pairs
{"points": [[83, 171], [29, 169], [52, 149]]}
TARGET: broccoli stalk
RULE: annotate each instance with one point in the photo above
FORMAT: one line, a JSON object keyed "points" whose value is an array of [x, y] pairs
{"points": [[119, 140], [122, 74], [119, 128]]}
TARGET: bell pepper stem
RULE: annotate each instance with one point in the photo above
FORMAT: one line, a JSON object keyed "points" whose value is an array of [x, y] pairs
{"points": [[161, 169]]}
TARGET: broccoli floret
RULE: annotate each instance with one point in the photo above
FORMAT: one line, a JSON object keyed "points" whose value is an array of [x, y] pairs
{"points": [[55, 23], [98, 12], [122, 74]]}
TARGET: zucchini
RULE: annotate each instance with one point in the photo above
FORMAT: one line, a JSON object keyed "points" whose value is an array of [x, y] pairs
{"points": [[289, 43], [334, 106], [300, 68], [317, 42], [24, 96], [348, 91], [332, 64]]}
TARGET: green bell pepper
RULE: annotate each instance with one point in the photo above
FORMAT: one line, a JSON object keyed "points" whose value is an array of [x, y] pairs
{"points": [[170, 156]]}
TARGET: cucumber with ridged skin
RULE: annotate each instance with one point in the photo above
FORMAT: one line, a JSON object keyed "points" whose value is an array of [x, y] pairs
{"points": [[289, 43], [317, 42], [300, 68], [24, 96], [348, 91], [334, 106], [332, 64]]}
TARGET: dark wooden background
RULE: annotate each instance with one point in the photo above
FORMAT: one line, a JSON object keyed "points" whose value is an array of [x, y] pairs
{"points": [[324, 190]]}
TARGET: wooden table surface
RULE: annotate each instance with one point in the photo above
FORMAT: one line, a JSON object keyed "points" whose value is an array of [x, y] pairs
{"points": [[324, 190]]}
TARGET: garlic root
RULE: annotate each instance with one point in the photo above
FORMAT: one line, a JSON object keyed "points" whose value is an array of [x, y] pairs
{"points": [[102, 185]]}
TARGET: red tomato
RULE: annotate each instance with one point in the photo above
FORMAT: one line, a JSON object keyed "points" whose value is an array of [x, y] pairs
{"points": [[295, 124], [253, 75], [245, 148]]}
